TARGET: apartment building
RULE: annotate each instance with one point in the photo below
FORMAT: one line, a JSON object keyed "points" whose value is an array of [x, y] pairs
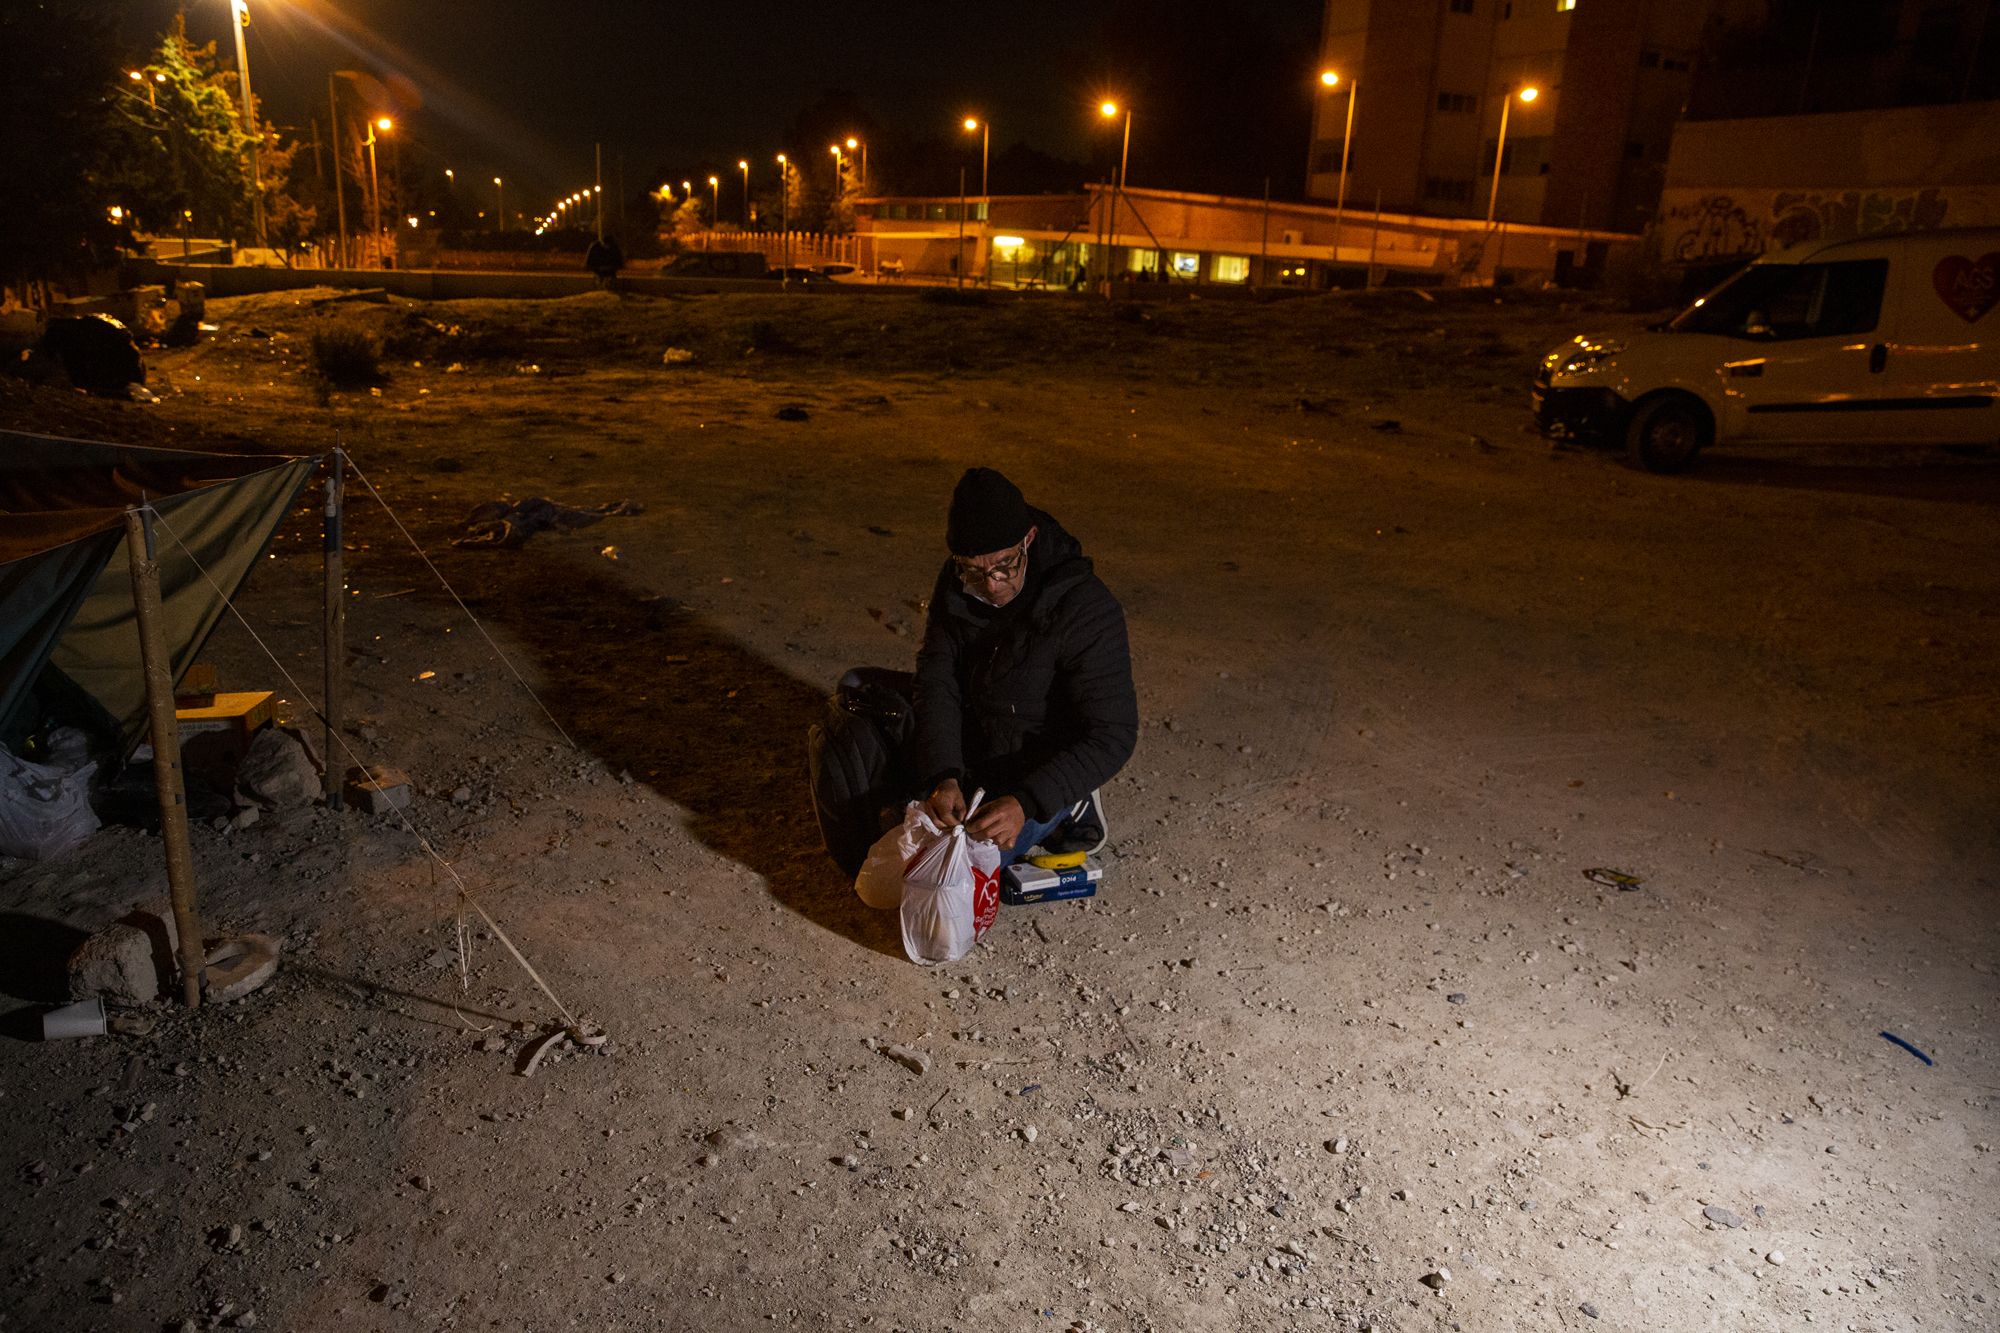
{"points": [[1422, 83]]}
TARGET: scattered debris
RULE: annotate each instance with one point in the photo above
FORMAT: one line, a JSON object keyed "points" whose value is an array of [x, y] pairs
{"points": [[917, 1062], [85, 1018], [115, 964], [1612, 879], [1722, 1217], [498, 523]]}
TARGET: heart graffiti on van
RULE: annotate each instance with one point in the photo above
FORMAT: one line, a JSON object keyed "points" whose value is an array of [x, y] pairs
{"points": [[1971, 287]]}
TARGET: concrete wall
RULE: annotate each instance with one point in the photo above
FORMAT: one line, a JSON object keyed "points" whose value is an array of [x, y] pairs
{"points": [[1737, 188]]}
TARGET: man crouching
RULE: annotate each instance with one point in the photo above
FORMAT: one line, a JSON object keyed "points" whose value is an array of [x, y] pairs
{"points": [[1024, 680]]}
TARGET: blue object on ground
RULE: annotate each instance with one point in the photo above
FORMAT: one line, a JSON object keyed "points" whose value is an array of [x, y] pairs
{"points": [[1911, 1049]]}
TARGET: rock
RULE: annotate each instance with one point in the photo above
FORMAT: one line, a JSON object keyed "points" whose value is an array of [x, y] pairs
{"points": [[1722, 1217], [276, 771], [461, 795], [1436, 1280], [1029, 1133], [1775, 1257], [904, 1113], [1336, 1145], [1456, 997], [492, 1044], [733, 1137], [115, 964], [1589, 1311], [917, 1062]]}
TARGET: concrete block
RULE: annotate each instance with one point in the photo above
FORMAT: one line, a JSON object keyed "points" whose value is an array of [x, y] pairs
{"points": [[237, 965], [377, 789]]}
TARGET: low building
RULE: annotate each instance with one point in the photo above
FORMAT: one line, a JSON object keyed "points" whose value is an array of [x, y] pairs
{"points": [[1737, 188], [1213, 241]]}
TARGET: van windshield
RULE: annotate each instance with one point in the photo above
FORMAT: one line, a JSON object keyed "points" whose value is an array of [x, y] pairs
{"points": [[1776, 302]]}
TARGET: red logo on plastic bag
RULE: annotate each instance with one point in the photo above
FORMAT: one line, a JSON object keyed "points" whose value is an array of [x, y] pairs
{"points": [[985, 899]]}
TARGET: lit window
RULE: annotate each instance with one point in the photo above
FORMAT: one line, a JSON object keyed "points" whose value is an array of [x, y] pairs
{"points": [[1229, 268], [1186, 265], [1564, 6], [1142, 261]]}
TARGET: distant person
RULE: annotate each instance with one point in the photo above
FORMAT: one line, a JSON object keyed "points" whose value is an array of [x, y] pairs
{"points": [[605, 259], [1024, 680]]}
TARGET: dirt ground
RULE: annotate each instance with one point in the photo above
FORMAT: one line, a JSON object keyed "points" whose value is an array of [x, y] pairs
{"points": [[1347, 1041]]}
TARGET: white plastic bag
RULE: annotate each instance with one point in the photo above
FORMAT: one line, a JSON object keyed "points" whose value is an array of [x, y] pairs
{"points": [[45, 808], [951, 893], [880, 882]]}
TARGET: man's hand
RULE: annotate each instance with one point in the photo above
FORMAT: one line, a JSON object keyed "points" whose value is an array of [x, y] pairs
{"points": [[998, 821], [946, 803]]}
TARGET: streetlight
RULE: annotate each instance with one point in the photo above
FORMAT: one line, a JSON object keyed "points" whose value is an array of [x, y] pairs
{"points": [[1109, 110], [837, 175], [1331, 79], [985, 146], [785, 219], [500, 202], [714, 201], [384, 124], [239, 13], [744, 167], [852, 144], [1527, 94], [152, 94]]}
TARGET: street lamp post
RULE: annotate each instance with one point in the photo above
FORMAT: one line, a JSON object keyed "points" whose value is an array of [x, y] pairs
{"points": [[1331, 79], [985, 147], [862, 144], [1528, 94], [784, 221], [239, 13], [499, 204], [714, 201], [744, 167], [384, 124], [1109, 110]]}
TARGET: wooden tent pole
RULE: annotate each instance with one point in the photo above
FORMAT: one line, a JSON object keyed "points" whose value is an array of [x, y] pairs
{"points": [[166, 751], [334, 627]]}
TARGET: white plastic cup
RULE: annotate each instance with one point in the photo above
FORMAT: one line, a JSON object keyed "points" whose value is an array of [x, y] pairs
{"points": [[85, 1018]]}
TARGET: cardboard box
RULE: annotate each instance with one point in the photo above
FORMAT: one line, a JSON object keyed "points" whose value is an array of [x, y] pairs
{"points": [[1022, 883], [216, 736]]}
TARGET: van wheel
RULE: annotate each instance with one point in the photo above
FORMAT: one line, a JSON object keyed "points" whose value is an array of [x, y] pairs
{"points": [[1668, 431]]}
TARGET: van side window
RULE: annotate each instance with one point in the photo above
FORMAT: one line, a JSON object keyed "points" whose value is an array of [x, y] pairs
{"points": [[1825, 301], [1782, 302]]}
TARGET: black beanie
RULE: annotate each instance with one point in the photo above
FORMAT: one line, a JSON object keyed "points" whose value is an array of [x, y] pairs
{"points": [[987, 514]]}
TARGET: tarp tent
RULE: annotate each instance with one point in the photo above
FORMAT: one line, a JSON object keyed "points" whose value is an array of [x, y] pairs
{"points": [[68, 628]]}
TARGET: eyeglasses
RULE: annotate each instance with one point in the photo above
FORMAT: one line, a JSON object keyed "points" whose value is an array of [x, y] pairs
{"points": [[1001, 571]]}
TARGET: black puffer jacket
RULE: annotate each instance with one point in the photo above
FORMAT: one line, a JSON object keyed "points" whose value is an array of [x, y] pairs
{"points": [[1033, 700]]}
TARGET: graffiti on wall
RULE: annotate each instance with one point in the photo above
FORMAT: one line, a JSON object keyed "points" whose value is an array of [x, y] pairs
{"points": [[1709, 228]]}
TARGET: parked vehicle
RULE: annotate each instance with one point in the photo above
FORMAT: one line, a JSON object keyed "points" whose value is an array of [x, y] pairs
{"points": [[716, 264], [1881, 339]]}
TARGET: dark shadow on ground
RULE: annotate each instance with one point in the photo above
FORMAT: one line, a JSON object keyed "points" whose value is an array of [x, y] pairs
{"points": [[1904, 473], [34, 957], [650, 688]]}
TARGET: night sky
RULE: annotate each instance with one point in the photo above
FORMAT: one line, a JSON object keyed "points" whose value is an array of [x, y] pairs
{"points": [[523, 88]]}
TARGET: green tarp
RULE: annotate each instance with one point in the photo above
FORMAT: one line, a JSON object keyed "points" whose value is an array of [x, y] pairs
{"points": [[68, 630]]}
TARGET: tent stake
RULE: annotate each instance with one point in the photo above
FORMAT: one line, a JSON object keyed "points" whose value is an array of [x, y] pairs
{"points": [[166, 751], [334, 626]]}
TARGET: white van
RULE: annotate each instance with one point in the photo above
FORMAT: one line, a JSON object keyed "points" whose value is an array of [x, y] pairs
{"points": [[1882, 339]]}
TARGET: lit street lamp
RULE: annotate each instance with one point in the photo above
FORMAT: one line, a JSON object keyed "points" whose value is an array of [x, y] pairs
{"points": [[239, 13], [384, 124], [837, 173], [744, 167], [985, 147], [1331, 79], [785, 219], [500, 203], [1109, 110], [1528, 94], [714, 201], [852, 144]]}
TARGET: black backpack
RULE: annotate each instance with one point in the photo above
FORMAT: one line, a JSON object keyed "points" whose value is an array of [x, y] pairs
{"points": [[858, 759]]}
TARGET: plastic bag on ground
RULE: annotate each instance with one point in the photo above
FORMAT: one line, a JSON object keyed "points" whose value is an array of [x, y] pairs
{"points": [[45, 808], [951, 893], [880, 882]]}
